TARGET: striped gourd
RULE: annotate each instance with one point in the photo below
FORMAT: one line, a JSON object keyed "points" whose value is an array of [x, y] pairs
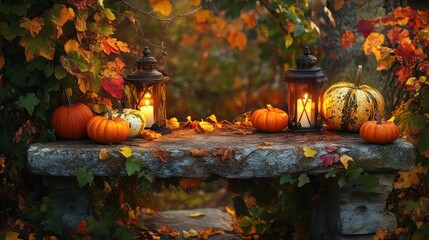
{"points": [[346, 106], [135, 118]]}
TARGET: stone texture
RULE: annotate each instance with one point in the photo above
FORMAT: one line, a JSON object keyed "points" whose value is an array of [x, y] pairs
{"points": [[246, 159]]}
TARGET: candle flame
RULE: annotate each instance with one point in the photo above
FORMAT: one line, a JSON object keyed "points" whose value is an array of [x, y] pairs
{"points": [[147, 102], [305, 96]]}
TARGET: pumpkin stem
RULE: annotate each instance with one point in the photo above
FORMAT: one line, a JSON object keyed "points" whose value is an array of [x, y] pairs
{"points": [[120, 108], [269, 107], [69, 101], [109, 112], [358, 80], [377, 118]]}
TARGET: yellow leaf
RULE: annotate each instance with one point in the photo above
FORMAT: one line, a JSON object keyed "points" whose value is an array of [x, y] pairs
{"points": [[194, 2], [196, 215], [33, 26], [150, 135], [80, 22], [163, 7], [309, 152], [204, 127], [103, 154], [123, 46], [372, 41], [392, 119], [384, 57], [63, 15], [172, 123], [288, 40], [109, 14], [202, 15], [211, 119], [12, 236], [265, 144], [237, 39], [345, 159], [126, 152], [71, 46]]}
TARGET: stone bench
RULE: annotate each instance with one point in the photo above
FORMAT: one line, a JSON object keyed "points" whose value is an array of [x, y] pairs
{"points": [[347, 213]]}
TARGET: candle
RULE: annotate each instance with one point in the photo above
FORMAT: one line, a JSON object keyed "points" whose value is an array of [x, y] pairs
{"points": [[147, 110], [304, 111]]}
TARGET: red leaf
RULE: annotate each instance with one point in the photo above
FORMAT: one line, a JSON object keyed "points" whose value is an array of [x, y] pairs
{"points": [[114, 86], [406, 54], [396, 35], [403, 73], [365, 27], [347, 39], [329, 159], [424, 67], [331, 149]]}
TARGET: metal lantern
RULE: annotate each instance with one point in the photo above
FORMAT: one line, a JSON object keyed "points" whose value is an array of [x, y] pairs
{"points": [[147, 88], [305, 92]]}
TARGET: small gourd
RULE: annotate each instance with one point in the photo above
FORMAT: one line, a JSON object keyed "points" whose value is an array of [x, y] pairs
{"points": [[134, 117], [69, 121], [346, 106], [269, 119], [107, 130], [379, 132]]}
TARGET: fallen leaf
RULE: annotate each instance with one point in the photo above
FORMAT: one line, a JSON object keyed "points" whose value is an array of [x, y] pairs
{"points": [[204, 127], [196, 215], [12, 236], [265, 144], [103, 154], [190, 233], [204, 234], [161, 155], [345, 159], [224, 153], [242, 132], [189, 183], [211, 119], [329, 158], [331, 149], [170, 231], [126, 152], [150, 135], [198, 153], [309, 152], [172, 123]]}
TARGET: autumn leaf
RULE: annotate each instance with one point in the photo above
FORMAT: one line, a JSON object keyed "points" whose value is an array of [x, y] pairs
{"points": [[347, 39], [224, 153], [403, 73], [204, 127], [163, 7], [81, 228], [71, 46], [189, 183], [249, 18], [109, 14], [372, 41], [80, 21], [172, 123], [265, 144], [242, 132], [161, 155], [150, 135], [309, 152], [33, 26], [198, 153], [329, 158], [196, 215], [114, 86], [338, 4], [123, 46], [365, 27], [345, 159], [189, 234], [385, 57], [237, 39], [126, 152], [109, 46], [194, 2], [12, 236], [204, 234], [103, 154], [406, 54], [37, 46], [202, 15]]}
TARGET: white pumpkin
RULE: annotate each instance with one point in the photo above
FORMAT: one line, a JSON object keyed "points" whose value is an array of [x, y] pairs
{"points": [[135, 118]]}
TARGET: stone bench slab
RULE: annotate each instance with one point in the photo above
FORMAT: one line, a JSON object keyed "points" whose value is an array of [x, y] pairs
{"points": [[228, 155]]}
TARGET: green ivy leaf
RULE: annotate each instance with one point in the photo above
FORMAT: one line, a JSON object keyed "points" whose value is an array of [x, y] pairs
{"points": [[99, 229], [48, 70], [287, 178], [54, 223], [28, 102], [124, 233], [370, 181], [60, 72], [37, 46], [84, 177], [46, 205], [330, 174], [303, 179], [354, 172], [18, 75], [9, 32], [342, 182], [133, 165]]}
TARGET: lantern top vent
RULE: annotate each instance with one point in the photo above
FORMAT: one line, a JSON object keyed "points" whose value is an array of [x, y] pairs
{"points": [[306, 70], [146, 73]]}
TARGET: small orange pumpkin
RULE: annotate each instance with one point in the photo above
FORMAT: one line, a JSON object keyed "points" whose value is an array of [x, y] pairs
{"points": [[379, 132], [107, 130], [69, 121], [269, 119]]}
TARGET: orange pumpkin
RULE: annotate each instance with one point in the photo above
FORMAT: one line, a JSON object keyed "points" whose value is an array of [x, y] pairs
{"points": [[379, 132], [107, 130], [269, 119], [69, 121]]}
